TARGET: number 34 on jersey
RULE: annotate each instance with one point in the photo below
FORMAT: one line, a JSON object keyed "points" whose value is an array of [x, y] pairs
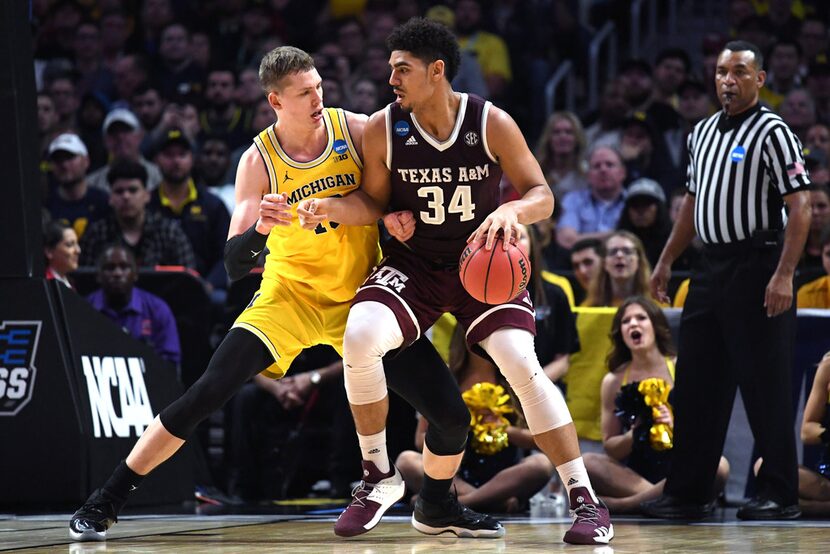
{"points": [[461, 200]]}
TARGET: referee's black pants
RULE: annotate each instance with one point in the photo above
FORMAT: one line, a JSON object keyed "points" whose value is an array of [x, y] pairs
{"points": [[727, 341]]}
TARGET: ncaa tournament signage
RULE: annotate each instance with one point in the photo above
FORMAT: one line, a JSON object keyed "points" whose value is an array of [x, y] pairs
{"points": [[18, 346], [75, 394]]}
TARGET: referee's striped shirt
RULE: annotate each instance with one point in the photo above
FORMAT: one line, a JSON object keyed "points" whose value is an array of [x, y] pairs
{"points": [[739, 170]]}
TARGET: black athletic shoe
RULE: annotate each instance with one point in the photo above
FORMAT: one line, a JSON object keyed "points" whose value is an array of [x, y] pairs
{"points": [[91, 521], [669, 507], [450, 516], [760, 508]]}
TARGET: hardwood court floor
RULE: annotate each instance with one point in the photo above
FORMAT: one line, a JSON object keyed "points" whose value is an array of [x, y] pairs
{"points": [[313, 534]]}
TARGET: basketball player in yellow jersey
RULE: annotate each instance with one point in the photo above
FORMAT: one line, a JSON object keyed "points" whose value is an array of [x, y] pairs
{"points": [[308, 283], [309, 278]]}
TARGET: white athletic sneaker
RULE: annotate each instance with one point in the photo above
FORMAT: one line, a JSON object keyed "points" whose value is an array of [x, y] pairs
{"points": [[375, 494]]}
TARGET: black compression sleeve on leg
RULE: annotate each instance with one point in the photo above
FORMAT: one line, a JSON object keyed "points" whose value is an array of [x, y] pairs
{"points": [[242, 252], [420, 376], [240, 356]]}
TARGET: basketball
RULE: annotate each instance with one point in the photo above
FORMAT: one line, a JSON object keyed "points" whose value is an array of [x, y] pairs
{"points": [[496, 276]]}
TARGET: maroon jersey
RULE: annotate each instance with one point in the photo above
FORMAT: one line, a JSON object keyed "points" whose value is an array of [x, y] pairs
{"points": [[450, 186]]}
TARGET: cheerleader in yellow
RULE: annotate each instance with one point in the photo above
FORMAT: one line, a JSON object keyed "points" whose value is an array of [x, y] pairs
{"points": [[634, 468]]}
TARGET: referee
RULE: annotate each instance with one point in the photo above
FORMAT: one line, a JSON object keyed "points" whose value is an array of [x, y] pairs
{"points": [[738, 324]]}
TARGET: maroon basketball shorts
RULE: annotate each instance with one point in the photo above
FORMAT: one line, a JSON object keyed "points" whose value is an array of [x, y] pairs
{"points": [[418, 295]]}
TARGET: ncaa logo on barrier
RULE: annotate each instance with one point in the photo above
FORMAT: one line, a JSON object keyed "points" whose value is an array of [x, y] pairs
{"points": [[18, 347], [118, 399]]}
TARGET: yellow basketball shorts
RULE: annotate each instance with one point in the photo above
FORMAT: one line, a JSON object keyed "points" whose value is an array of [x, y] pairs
{"points": [[289, 317]]}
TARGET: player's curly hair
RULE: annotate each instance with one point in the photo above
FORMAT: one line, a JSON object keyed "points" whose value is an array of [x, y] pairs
{"points": [[428, 41]]}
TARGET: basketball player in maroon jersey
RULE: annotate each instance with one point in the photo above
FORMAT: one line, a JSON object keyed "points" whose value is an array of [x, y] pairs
{"points": [[440, 154]]}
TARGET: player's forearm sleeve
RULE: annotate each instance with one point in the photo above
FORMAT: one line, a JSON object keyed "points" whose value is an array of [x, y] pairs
{"points": [[242, 252]]}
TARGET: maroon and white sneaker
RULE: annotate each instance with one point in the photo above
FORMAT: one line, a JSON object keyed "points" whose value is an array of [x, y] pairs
{"points": [[375, 494], [592, 522]]}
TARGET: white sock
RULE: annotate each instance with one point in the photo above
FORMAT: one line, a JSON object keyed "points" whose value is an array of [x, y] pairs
{"points": [[373, 448], [573, 474]]}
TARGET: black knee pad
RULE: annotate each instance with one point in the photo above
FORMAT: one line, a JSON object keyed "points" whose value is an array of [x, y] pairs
{"points": [[447, 441], [183, 416], [449, 426]]}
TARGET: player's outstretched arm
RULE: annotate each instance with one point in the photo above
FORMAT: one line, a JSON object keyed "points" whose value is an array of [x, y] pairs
{"points": [[365, 205], [508, 146], [255, 214]]}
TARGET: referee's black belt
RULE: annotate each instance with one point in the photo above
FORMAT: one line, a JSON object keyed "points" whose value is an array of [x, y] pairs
{"points": [[760, 239]]}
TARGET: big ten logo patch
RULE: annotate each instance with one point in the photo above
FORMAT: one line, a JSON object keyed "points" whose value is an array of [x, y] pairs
{"points": [[18, 346], [115, 377], [390, 277]]}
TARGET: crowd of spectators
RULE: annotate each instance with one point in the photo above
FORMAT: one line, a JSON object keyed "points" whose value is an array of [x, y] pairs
{"points": [[145, 106]]}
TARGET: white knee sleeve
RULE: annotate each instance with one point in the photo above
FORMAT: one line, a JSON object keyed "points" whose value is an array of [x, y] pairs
{"points": [[371, 332], [542, 403]]}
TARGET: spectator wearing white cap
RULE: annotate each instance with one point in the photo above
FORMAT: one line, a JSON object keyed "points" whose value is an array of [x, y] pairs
{"points": [[122, 138], [70, 198], [646, 216]]}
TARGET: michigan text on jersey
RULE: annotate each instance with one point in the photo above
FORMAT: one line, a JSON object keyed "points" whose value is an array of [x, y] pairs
{"points": [[322, 184]]}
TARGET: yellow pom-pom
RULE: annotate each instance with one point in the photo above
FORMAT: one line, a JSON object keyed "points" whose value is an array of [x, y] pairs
{"points": [[488, 403], [655, 394]]}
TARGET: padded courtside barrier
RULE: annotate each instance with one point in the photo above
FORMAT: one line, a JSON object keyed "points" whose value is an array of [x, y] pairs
{"points": [[75, 394]]}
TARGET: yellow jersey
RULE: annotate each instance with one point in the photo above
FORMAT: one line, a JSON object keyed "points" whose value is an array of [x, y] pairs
{"points": [[333, 259], [815, 294]]}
